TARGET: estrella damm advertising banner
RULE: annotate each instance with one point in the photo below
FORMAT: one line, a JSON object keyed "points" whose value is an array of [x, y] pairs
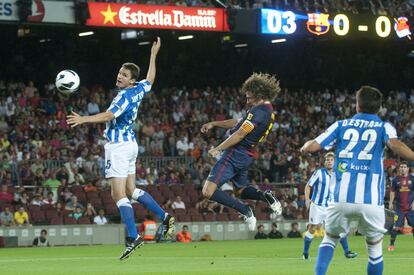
{"points": [[156, 17]]}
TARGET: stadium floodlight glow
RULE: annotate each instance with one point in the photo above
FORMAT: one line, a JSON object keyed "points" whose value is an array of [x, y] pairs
{"points": [[240, 45], [86, 33], [281, 40], [185, 37], [144, 43]]}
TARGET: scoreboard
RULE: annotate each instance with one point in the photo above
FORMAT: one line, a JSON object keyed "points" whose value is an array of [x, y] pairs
{"points": [[288, 23]]}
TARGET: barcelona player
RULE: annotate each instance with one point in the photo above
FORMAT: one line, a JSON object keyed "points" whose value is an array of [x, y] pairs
{"points": [[236, 152], [121, 149], [402, 192], [358, 182]]}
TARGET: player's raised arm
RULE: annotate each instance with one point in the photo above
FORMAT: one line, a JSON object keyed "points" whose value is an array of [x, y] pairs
{"points": [[310, 146], [226, 124], [152, 66], [401, 149], [75, 119]]}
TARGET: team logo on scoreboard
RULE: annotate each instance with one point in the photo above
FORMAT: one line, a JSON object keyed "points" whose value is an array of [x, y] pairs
{"points": [[402, 28], [318, 23]]}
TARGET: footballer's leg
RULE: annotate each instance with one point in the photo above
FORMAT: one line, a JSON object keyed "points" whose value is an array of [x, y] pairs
{"points": [[133, 240], [308, 240], [148, 201], [398, 224]]}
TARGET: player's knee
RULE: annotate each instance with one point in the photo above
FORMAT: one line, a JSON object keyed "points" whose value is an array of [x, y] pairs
{"points": [[208, 189]]}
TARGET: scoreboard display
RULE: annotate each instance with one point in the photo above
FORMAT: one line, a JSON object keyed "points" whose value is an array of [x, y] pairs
{"points": [[288, 23]]}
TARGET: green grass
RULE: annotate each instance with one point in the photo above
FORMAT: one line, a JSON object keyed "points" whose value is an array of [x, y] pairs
{"points": [[217, 257]]}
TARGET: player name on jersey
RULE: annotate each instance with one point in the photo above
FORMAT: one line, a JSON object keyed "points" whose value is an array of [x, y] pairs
{"points": [[361, 123]]}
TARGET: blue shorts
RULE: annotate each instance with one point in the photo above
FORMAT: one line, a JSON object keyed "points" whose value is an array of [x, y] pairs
{"points": [[232, 166], [401, 215]]}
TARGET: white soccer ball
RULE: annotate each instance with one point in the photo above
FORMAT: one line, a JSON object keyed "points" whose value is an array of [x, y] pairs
{"points": [[67, 82]]}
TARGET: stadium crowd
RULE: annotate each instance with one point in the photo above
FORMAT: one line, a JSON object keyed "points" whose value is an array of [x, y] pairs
{"points": [[376, 7], [38, 149]]}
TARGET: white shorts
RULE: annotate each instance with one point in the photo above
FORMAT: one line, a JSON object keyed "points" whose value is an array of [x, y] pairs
{"points": [[317, 214], [120, 159], [370, 218]]}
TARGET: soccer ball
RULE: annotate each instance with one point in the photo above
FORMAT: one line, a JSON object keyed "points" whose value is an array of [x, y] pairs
{"points": [[67, 82]]}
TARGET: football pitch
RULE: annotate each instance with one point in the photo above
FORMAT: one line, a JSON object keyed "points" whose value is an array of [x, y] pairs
{"points": [[216, 257]]}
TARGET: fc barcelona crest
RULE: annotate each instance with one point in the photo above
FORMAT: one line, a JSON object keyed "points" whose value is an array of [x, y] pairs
{"points": [[318, 23]]}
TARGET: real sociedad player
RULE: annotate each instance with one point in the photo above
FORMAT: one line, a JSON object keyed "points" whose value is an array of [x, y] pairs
{"points": [[358, 191], [121, 150]]}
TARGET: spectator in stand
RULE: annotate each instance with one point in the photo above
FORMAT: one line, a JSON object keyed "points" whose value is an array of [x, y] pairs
{"points": [[37, 200], [90, 211], [77, 213], [73, 204], [274, 233], [294, 232], [41, 241], [260, 233], [5, 196], [90, 187], [38, 164], [66, 195], [100, 219], [39, 177], [49, 200], [53, 183], [183, 236], [21, 217], [6, 217], [178, 203]]}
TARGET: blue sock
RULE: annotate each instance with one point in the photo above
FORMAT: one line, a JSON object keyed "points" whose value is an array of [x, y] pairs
{"points": [[375, 266], [127, 215], [227, 200], [344, 243], [252, 193], [325, 254], [307, 242], [148, 201]]}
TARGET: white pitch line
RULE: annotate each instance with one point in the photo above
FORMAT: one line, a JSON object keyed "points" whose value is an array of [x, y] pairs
{"points": [[171, 258]]}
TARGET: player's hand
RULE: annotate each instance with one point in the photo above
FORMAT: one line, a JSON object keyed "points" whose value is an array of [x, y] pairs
{"points": [[156, 46], [214, 152], [206, 127], [308, 202], [391, 206], [74, 119]]}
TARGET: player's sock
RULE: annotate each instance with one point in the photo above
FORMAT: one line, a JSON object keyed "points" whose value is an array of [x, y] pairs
{"points": [[148, 201], [307, 242], [252, 193], [344, 243], [375, 260], [393, 234], [325, 254], [227, 200], [127, 215]]}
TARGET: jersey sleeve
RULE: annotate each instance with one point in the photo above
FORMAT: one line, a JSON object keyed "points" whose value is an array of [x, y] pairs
{"points": [[389, 132], [253, 120], [143, 85], [314, 178], [328, 138], [119, 105]]}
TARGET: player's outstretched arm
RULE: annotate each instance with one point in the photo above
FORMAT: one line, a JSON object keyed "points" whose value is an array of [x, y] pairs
{"points": [[152, 66], [75, 119], [401, 149], [226, 124], [311, 146], [232, 140]]}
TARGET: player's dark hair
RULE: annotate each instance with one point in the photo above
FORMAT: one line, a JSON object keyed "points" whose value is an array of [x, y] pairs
{"points": [[261, 85], [404, 163], [133, 68], [369, 100], [44, 231]]}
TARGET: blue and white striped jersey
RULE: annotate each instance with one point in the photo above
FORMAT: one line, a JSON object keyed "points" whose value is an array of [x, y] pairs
{"points": [[359, 172], [125, 109], [319, 182]]}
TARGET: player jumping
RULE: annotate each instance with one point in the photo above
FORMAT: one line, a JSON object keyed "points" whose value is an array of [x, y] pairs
{"points": [[121, 150], [238, 149]]}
